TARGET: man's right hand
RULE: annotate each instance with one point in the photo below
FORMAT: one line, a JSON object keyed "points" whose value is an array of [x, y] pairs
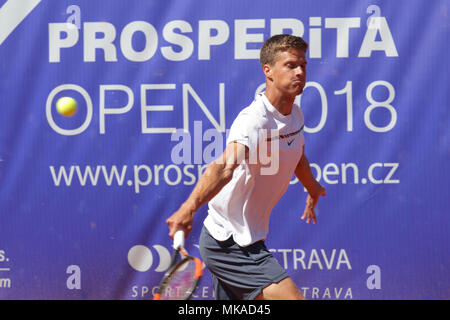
{"points": [[182, 219]]}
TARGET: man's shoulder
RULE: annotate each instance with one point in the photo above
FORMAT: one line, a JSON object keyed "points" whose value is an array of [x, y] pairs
{"points": [[297, 112], [255, 112]]}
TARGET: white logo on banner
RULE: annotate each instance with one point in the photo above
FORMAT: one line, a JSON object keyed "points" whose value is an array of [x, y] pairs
{"points": [[12, 14], [140, 258]]}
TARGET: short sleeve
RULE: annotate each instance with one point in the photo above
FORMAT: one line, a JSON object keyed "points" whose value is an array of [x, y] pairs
{"points": [[243, 131]]}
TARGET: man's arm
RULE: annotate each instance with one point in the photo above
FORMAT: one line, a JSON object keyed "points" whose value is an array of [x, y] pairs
{"points": [[215, 177], [315, 190]]}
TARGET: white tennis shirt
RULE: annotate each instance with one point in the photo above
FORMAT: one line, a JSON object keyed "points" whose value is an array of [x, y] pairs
{"points": [[242, 208]]}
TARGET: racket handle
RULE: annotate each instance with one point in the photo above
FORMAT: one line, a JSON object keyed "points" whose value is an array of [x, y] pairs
{"points": [[178, 239]]}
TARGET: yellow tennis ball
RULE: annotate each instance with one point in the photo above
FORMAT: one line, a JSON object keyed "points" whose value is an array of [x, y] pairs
{"points": [[66, 106]]}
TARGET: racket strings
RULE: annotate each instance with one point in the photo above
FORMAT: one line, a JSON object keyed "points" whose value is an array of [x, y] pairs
{"points": [[181, 281]]}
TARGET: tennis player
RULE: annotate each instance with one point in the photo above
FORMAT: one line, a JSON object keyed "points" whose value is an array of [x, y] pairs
{"points": [[241, 189]]}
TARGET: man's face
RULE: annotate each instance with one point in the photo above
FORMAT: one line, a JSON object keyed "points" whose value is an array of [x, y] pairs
{"points": [[288, 74]]}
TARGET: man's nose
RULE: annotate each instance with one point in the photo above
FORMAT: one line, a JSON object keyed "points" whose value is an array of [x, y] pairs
{"points": [[299, 71]]}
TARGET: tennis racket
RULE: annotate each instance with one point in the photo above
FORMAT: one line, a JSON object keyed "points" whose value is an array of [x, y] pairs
{"points": [[182, 277]]}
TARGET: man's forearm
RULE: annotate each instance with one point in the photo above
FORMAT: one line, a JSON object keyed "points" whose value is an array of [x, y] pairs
{"points": [[305, 176], [215, 177]]}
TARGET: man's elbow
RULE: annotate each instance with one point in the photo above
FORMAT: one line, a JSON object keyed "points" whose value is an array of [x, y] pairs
{"points": [[224, 172], [227, 173]]}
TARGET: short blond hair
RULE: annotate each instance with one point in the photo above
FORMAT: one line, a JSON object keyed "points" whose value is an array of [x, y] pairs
{"points": [[279, 43]]}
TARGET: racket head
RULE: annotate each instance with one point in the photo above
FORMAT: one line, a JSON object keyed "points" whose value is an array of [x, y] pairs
{"points": [[181, 280]]}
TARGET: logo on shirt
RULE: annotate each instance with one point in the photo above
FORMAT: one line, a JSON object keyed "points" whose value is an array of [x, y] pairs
{"points": [[286, 136]]}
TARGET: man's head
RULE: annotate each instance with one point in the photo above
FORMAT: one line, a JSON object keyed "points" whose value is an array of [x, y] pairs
{"points": [[279, 43], [283, 59]]}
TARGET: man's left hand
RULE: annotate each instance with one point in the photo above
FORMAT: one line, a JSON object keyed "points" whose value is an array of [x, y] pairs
{"points": [[311, 201]]}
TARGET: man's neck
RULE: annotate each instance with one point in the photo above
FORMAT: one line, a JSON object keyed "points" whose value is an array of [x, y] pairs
{"points": [[281, 102]]}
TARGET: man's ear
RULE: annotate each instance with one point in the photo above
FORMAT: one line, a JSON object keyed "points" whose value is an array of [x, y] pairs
{"points": [[267, 71]]}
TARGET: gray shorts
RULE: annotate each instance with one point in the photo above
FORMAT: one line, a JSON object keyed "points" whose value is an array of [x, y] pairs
{"points": [[239, 273]]}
